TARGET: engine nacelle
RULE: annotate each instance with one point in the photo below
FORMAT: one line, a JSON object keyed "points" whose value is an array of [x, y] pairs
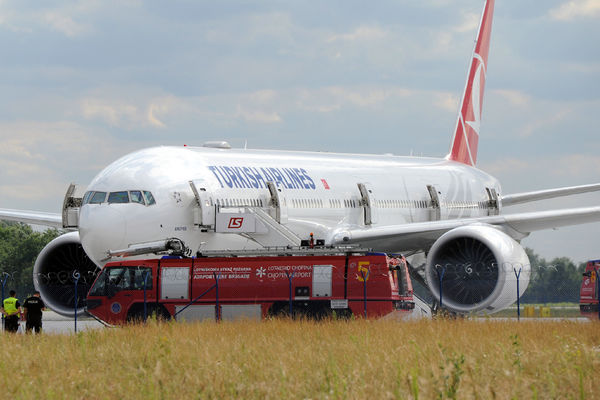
{"points": [[479, 264], [53, 274]]}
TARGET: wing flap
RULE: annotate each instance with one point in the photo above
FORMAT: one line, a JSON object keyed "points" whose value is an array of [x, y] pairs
{"points": [[53, 220]]}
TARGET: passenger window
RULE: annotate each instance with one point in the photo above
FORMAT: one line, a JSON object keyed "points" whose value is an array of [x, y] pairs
{"points": [[98, 197], [118, 197], [136, 197], [149, 198], [86, 197]]}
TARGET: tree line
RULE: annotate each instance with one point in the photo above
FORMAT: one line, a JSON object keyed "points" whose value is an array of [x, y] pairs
{"points": [[554, 281], [19, 247], [557, 280]]}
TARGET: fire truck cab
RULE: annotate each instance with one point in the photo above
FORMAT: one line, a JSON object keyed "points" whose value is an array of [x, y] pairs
{"points": [[369, 284], [590, 288]]}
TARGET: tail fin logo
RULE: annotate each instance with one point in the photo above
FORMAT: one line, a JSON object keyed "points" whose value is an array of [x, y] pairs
{"points": [[477, 97], [466, 134]]}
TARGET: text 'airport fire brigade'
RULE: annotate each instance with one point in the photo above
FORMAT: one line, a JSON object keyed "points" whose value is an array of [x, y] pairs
{"points": [[252, 287]]}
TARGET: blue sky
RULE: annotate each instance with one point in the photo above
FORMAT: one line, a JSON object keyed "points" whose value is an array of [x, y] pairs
{"points": [[85, 82]]}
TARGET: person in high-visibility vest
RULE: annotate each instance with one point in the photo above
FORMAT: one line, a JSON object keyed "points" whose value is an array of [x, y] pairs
{"points": [[12, 312]]}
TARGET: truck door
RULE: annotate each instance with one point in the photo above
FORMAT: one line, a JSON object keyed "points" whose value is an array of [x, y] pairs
{"points": [[175, 283], [322, 280], [124, 288]]}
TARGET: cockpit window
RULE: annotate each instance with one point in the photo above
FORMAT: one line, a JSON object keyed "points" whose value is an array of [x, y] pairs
{"points": [[118, 197], [136, 196], [149, 198], [86, 197], [98, 197]]}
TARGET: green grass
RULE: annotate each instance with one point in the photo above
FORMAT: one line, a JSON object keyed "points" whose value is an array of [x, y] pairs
{"points": [[276, 359]]}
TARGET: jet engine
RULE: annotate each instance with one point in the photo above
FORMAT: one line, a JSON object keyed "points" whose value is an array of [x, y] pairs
{"points": [[53, 274], [476, 265]]}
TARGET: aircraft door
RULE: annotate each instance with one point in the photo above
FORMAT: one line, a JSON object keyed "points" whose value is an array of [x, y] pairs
{"points": [[278, 202], [434, 195], [369, 203], [204, 212], [71, 206], [493, 203]]}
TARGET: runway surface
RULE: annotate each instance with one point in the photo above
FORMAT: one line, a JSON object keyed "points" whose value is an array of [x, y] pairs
{"points": [[54, 323]]}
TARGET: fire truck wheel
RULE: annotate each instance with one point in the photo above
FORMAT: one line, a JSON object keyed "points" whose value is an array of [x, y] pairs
{"points": [[136, 313]]}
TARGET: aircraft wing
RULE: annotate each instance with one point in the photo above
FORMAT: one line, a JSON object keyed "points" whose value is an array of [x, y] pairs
{"points": [[414, 236], [53, 220], [520, 198]]}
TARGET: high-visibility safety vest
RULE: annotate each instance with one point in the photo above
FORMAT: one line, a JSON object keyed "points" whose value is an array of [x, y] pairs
{"points": [[10, 306]]}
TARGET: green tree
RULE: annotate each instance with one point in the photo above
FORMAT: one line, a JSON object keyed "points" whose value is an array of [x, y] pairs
{"points": [[553, 281], [19, 248]]}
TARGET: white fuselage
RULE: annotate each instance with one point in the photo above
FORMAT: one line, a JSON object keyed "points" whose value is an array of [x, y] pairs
{"points": [[318, 193]]}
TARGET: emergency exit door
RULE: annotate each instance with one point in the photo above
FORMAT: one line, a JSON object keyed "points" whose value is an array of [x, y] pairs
{"points": [[369, 203]]}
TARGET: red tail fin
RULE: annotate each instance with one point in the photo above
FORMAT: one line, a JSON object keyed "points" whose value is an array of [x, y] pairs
{"points": [[466, 135]]}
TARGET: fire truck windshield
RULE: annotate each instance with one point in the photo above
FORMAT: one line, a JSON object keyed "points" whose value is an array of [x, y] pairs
{"points": [[115, 279]]}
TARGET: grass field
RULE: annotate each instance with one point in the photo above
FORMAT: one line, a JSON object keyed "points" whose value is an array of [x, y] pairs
{"points": [[305, 359]]}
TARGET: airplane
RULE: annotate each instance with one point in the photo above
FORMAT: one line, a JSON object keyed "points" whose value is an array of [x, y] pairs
{"points": [[444, 214]]}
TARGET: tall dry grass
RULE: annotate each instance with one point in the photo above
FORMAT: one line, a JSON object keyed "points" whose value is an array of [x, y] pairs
{"points": [[304, 359]]}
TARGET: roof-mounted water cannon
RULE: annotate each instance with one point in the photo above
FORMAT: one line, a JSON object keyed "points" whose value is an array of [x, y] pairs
{"points": [[172, 246]]}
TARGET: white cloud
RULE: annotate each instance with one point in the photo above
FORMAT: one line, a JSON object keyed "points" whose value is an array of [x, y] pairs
{"points": [[514, 97], [65, 24], [73, 19], [548, 171], [584, 68], [546, 121], [447, 101], [152, 117], [68, 20], [470, 23], [110, 111], [257, 116], [42, 140], [41, 158], [577, 165], [362, 33], [111, 108], [576, 9], [250, 28], [335, 98]]}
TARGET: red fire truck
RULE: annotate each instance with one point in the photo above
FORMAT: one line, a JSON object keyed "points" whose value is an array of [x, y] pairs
{"points": [[588, 295], [317, 285]]}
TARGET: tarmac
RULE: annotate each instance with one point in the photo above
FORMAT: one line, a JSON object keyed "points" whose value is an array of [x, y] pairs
{"points": [[54, 323]]}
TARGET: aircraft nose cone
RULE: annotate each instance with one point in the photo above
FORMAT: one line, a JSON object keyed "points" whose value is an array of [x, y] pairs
{"points": [[101, 228]]}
